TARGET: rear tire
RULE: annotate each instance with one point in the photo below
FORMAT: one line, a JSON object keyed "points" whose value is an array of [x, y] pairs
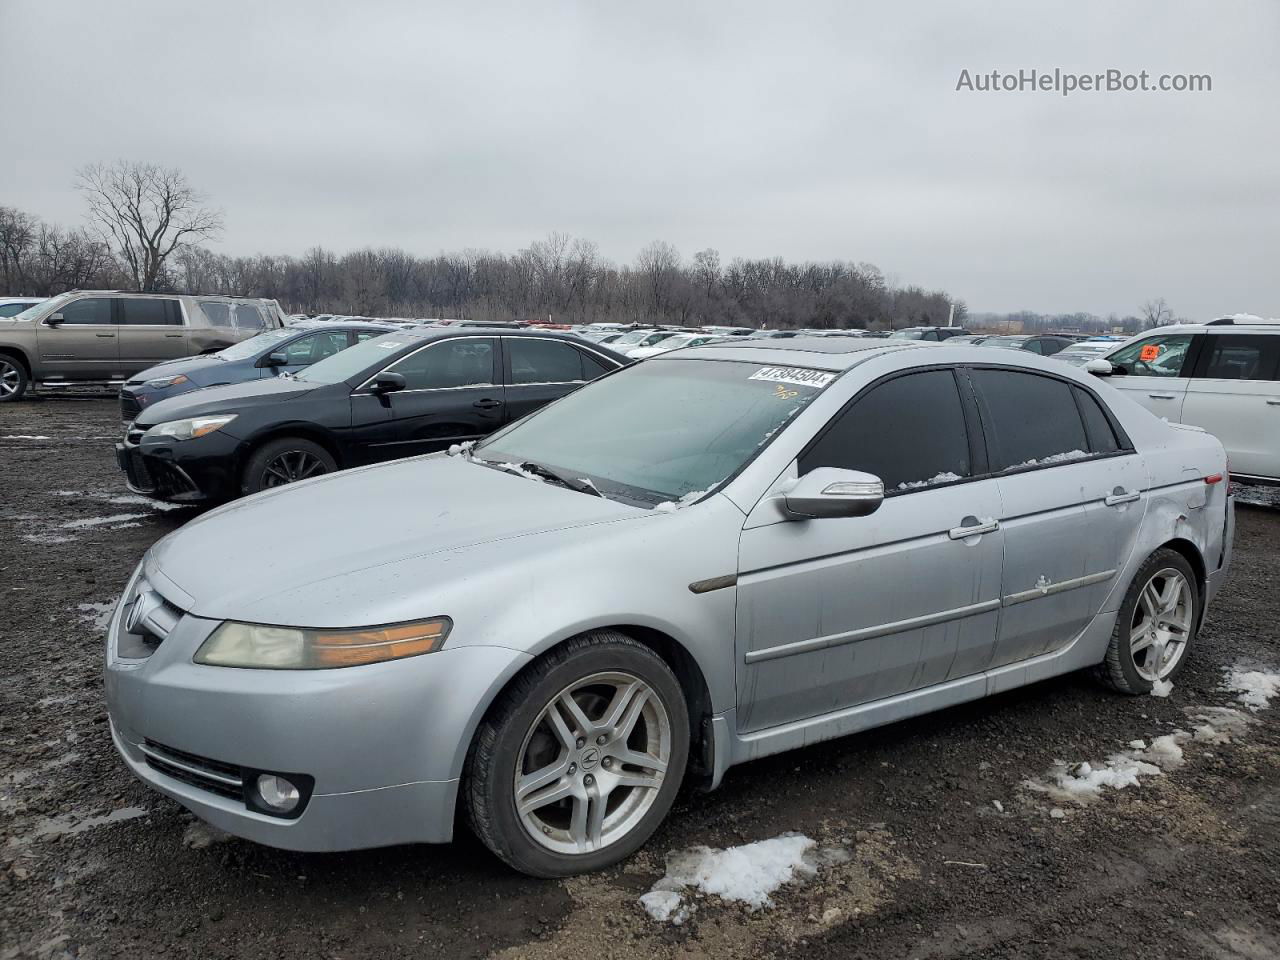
{"points": [[283, 461], [580, 759], [13, 379], [1156, 626]]}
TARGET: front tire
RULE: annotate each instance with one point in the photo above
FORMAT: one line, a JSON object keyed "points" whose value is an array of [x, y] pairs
{"points": [[283, 461], [13, 379], [1156, 625], [580, 759]]}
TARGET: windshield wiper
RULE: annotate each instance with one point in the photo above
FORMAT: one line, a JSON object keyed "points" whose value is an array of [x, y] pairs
{"points": [[529, 468]]}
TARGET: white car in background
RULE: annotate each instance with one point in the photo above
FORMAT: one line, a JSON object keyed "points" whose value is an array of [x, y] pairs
{"points": [[1222, 376], [673, 342], [1080, 354]]}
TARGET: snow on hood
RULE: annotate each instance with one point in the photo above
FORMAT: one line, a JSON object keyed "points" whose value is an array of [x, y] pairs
{"points": [[288, 556]]}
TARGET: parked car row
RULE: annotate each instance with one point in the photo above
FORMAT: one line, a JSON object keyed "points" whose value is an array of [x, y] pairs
{"points": [[716, 555]]}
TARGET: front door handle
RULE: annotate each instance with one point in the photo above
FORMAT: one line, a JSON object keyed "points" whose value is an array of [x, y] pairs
{"points": [[487, 403], [174, 336], [105, 336], [1163, 396], [973, 527], [1273, 403], [1119, 496]]}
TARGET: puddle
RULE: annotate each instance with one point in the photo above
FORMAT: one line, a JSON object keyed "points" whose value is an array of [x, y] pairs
{"points": [[65, 826], [98, 614]]}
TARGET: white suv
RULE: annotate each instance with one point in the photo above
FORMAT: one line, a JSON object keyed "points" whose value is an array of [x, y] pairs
{"points": [[1223, 375]]}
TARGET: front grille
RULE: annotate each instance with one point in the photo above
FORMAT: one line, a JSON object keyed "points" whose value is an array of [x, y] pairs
{"points": [[223, 779], [129, 407], [155, 620]]}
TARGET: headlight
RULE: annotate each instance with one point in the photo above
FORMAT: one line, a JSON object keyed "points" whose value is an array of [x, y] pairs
{"points": [[162, 382], [289, 648], [189, 429]]}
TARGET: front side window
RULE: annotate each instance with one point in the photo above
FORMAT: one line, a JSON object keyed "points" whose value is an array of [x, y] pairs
{"points": [[661, 430], [91, 310], [317, 346], [254, 345], [147, 312], [466, 362], [542, 361], [1031, 420], [1162, 356], [909, 432], [1230, 357]]}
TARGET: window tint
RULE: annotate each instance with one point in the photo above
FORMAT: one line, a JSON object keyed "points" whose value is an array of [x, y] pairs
{"points": [[1161, 356], [453, 363], [233, 316], [593, 366], [1033, 346], [1230, 357], [543, 361], [247, 316], [1102, 438], [12, 309], [315, 347], [363, 335], [909, 432], [1031, 419], [142, 312], [90, 310], [219, 314]]}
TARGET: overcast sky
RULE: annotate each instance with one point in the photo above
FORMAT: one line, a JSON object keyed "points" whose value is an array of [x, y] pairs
{"points": [[801, 130]]}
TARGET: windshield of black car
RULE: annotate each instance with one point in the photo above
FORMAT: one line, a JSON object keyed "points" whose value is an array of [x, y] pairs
{"points": [[255, 345], [353, 360], [661, 431]]}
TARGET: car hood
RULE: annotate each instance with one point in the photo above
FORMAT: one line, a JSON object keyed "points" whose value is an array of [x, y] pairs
{"points": [[198, 369], [292, 555], [226, 398]]}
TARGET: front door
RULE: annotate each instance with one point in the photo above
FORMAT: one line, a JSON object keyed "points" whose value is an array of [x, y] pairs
{"points": [[1234, 393], [150, 330], [1154, 372], [452, 394], [838, 612], [84, 346]]}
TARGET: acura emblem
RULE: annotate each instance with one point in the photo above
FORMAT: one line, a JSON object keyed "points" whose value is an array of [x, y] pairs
{"points": [[143, 606]]}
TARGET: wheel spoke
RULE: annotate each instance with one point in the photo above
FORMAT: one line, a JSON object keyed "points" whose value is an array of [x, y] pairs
{"points": [[628, 722], [275, 471], [1150, 600], [581, 722], [642, 760], [1140, 638], [630, 779], [312, 466], [614, 712], [578, 821], [538, 799], [595, 818], [561, 729], [532, 782], [1170, 595]]}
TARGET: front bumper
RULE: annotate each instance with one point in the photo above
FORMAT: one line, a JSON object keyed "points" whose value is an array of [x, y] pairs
{"points": [[181, 471], [383, 745]]}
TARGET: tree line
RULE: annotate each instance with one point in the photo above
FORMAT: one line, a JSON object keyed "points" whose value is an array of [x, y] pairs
{"points": [[146, 225]]}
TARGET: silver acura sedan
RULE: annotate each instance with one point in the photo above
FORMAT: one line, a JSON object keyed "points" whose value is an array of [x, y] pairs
{"points": [[706, 558]]}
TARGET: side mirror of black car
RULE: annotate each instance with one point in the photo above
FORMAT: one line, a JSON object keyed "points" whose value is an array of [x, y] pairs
{"points": [[388, 383]]}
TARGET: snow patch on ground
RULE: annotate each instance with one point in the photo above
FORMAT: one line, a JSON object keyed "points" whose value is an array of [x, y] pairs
{"points": [[749, 874], [23, 436], [98, 614], [200, 835], [46, 538], [1255, 688], [1162, 688], [102, 521], [67, 826]]}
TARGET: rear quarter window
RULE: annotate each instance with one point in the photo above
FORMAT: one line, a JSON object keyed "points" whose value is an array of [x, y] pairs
{"points": [[1031, 420]]}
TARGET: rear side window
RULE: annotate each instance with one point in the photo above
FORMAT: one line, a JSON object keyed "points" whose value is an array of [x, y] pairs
{"points": [[1031, 420], [593, 366], [1102, 438], [93, 310], [1230, 357], [232, 316], [146, 312], [542, 361], [910, 432]]}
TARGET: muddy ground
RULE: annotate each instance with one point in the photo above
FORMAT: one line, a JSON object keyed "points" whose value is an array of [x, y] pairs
{"points": [[92, 864]]}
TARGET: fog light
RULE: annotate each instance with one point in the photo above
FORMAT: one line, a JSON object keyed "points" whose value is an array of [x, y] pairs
{"points": [[277, 793]]}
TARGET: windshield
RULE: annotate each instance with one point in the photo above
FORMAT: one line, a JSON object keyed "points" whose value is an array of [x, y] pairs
{"points": [[353, 360], [631, 339], [662, 430], [255, 345], [906, 334], [31, 311]]}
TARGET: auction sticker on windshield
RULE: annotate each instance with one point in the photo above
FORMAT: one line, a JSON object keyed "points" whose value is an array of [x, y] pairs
{"points": [[797, 375]]}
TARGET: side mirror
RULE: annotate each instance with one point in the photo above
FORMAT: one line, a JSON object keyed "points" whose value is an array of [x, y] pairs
{"points": [[833, 492], [279, 359], [54, 319], [388, 383], [1099, 367]]}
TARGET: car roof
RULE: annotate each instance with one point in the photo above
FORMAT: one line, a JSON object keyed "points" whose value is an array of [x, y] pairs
{"points": [[342, 325], [823, 353], [427, 334], [1235, 326]]}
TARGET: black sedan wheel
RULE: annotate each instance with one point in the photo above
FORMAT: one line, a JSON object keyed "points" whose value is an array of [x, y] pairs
{"points": [[286, 460]]}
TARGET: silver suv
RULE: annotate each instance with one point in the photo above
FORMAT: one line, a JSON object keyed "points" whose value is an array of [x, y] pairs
{"points": [[101, 337]]}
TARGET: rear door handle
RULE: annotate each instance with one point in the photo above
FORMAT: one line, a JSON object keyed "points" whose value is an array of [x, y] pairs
{"points": [[105, 336], [1163, 396], [973, 527], [487, 403], [1124, 496], [174, 336], [1273, 403]]}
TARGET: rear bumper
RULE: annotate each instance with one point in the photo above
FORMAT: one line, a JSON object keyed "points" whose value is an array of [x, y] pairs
{"points": [[1216, 578]]}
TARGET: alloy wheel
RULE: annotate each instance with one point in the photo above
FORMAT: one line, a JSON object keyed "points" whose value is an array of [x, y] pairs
{"points": [[290, 467], [593, 763], [10, 379], [1161, 625]]}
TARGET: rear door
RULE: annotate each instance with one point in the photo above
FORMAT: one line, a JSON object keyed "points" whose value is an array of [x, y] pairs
{"points": [[151, 329], [1071, 503], [539, 371], [85, 345], [453, 393], [1155, 371], [1234, 393]]}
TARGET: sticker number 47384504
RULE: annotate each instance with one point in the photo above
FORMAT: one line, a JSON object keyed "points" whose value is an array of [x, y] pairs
{"points": [[796, 375]]}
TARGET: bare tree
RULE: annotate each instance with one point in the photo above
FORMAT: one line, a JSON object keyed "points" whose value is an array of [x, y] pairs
{"points": [[1155, 313], [146, 212]]}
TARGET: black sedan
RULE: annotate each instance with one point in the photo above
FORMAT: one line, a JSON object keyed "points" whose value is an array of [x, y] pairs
{"points": [[405, 393], [286, 350]]}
